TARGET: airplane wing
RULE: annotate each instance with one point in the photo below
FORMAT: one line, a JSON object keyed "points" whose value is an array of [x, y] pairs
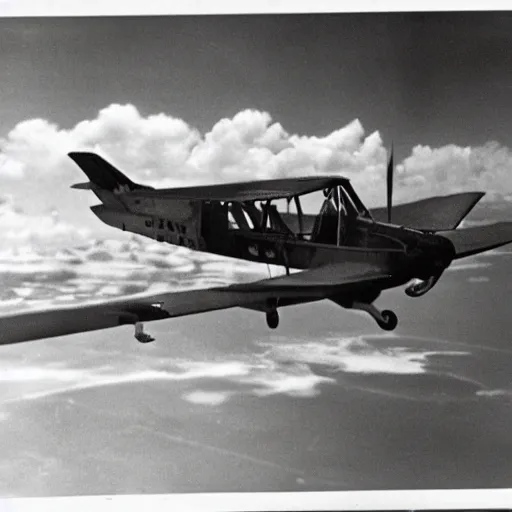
{"points": [[469, 241], [48, 323], [244, 191], [325, 279], [431, 214], [311, 285], [104, 175]]}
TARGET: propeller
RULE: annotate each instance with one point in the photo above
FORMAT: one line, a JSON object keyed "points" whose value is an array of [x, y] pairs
{"points": [[389, 183]]}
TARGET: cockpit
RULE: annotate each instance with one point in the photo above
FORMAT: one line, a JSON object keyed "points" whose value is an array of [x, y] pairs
{"points": [[285, 217]]}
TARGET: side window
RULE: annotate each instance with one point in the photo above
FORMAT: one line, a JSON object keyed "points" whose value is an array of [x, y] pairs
{"points": [[148, 223], [233, 224], [170, 226]]}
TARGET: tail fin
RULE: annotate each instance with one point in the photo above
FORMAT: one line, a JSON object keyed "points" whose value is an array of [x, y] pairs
{"points": [[103, 175]]}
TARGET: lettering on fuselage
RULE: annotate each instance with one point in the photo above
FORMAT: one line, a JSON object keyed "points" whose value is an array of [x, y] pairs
{"points": [[174, 227], [172, 232]]}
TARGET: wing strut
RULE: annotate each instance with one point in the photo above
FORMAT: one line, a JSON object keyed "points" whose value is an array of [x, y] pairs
{"points": [[284, 255], [264, 220], [299, 214]]}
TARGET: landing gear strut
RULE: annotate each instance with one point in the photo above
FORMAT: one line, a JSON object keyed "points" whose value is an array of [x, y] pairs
{"points": [[273, 319], [271, 313], [140, 335], [385, 319]]}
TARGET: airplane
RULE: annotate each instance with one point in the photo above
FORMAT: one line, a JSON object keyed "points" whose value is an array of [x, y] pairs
{"points": [[345, 253]]}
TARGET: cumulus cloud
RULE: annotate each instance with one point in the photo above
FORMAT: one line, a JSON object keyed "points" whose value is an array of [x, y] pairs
{"points": [[162, 149], [19, 229], [453, 168], [166, 151]]}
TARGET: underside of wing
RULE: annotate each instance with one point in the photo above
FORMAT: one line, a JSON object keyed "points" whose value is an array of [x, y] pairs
{"points": [[470, 241], [304, 286], [324, 279], [48, 323], [432, 214], [32, 325]]}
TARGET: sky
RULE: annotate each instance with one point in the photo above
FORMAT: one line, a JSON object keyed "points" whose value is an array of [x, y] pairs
{"points": [[175, 100]]}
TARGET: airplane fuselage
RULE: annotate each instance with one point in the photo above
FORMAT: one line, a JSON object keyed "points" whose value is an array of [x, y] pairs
{"points": [[404, 253]]}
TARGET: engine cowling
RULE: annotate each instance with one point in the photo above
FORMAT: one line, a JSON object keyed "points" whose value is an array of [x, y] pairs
{"points": [[434, 257]]}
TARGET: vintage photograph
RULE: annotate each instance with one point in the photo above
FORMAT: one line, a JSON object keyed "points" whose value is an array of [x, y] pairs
{"points": [[255, 253]]}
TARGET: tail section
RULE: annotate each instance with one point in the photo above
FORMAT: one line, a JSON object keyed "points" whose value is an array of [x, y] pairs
{"points": [[103, 175]]}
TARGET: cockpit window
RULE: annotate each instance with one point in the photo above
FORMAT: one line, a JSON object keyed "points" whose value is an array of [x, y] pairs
{"points": [[323, 216], [277, 223], [238, 218], [326, 228]]}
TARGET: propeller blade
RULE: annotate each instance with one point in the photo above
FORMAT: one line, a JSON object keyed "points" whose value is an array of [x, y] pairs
{"points": [[389, 183]]}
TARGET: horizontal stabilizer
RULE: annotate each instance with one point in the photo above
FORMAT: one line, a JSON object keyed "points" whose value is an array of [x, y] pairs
{"points": [[432, 214], [82, 186], [478, 239], [103, 174]]}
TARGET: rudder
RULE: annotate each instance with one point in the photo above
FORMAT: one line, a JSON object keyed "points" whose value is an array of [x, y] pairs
{"points": [[102, 174]]}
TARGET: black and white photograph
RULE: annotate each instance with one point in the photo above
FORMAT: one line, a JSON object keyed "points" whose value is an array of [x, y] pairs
{"points": [[255, 253]]}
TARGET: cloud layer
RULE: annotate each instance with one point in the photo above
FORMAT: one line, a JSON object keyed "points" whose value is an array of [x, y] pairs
{"points": [[404, 367], [166, 151], [19, 229], [105, 269]]}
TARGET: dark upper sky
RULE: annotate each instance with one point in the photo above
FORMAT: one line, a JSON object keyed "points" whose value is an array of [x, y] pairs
{"points": [[418, 78]]}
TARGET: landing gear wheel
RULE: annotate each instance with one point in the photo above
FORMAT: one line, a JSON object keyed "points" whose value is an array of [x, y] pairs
{"points": [[389, 320], [273, 319], [144, 338], [140, 335]]}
